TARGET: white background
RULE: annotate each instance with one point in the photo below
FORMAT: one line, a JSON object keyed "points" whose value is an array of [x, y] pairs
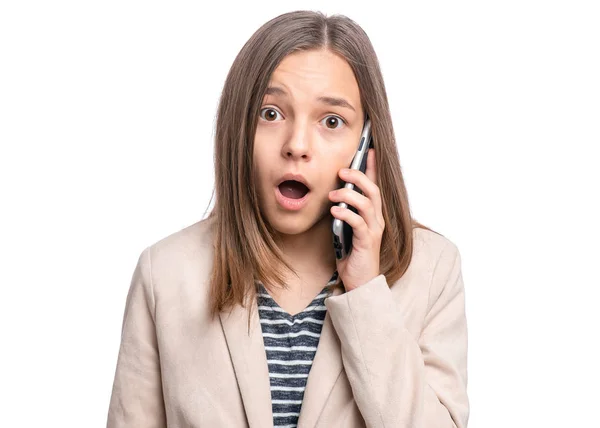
{"points": [[106, 128]]}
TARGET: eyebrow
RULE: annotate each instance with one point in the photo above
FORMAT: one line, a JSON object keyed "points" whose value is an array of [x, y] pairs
{"points": [[332, 101]]}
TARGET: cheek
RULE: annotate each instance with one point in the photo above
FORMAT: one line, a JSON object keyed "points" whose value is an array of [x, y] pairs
{"points": [[331, 180], [343, 160], [259, 177], [259, 162], [263, 180]]}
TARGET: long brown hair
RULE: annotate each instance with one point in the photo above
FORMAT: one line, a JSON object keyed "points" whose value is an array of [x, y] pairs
{"points": [[244, 250]]}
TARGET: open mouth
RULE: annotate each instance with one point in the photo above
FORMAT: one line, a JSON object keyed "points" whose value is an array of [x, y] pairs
{"points": [[293, 189]]}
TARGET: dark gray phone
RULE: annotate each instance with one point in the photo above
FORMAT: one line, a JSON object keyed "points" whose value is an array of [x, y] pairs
{"points": [[342, 231]]}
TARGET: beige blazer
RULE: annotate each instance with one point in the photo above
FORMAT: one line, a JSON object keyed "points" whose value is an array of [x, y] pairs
{"points": [[387, 357]]}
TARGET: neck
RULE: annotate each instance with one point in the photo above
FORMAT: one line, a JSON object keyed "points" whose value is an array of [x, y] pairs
{"points": [[310, 253]]}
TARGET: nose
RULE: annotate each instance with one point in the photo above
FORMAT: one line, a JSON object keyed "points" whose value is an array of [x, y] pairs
{"points": [[298, 146]]}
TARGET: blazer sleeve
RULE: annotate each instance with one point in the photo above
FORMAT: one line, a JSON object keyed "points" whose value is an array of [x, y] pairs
{"points": [[137, 397], [399, 380]]}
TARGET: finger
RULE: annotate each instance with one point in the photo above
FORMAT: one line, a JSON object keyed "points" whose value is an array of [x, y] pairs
{"points": [[367, 186], [359, 227], [371, 171], [363, 204]]}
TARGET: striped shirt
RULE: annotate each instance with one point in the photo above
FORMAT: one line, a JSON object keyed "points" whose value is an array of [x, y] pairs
{"points": [[290, 344]]}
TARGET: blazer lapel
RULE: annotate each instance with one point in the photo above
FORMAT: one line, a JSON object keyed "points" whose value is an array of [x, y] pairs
{"points": [[249, 361], [326, 368]]}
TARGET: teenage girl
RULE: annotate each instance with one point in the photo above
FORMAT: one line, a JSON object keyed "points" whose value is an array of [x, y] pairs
{"points": [[247, 317]]}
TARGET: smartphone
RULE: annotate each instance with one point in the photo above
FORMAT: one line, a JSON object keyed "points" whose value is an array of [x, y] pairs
{"points": [[342, 231]]}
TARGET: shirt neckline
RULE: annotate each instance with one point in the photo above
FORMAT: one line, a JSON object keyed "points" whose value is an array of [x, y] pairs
{"points": [[318, 300]]}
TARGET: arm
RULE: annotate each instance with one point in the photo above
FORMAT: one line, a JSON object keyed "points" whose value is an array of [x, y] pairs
{"points": [[397, 380], [137, 398]]}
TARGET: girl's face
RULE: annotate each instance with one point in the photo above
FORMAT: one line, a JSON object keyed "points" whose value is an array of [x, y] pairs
{"points": [[309, 124]]}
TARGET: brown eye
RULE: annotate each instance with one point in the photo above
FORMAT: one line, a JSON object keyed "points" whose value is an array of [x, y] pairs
{"points": [[271, 114], [333, 122]]}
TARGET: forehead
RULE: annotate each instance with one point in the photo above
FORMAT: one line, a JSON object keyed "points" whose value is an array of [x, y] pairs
{"points": [[315, 73]]}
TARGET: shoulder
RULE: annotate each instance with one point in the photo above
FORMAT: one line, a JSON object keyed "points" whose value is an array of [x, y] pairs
{"points": [[434, 258], [430, 246], [184, 256], [438, 259], [189, 241]]}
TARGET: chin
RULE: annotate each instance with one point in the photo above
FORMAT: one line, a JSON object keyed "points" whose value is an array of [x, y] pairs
{"points": [[298, 224], [286, 226]]}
